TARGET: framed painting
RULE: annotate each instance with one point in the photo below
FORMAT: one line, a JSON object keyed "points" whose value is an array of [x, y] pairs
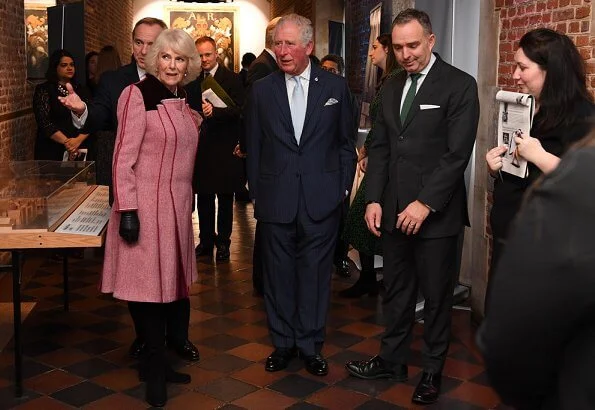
{"points": [[36, 39], [215, 21]]}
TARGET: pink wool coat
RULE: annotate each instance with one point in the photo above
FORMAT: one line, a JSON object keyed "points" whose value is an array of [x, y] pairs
{"points": [[152, 173]]}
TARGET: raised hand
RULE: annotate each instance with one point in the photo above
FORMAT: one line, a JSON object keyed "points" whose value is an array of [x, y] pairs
{"points": [[72, 101]]}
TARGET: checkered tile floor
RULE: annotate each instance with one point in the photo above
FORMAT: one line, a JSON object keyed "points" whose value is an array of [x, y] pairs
{"points": [[78, 359]]}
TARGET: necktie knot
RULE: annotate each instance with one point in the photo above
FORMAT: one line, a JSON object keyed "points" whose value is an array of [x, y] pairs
{"points": [[415, 77]]}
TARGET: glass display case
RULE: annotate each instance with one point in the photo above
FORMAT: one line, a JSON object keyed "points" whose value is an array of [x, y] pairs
{"points": [[39, 194]]}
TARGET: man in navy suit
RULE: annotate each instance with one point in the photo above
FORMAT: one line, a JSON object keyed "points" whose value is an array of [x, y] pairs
{"points": [[301, 164], [423, 139]]}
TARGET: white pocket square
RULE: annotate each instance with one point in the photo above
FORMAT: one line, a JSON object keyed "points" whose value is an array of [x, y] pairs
{"points": [[428, 106], [330, 101]]}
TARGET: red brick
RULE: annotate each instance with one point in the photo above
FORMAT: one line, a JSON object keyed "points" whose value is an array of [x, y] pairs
{"points": [[563, 15], [585, 52], [574, 27], [582, 12], [546, 17], [582, 41], [564, 3], [585, 26], [552, 4]]}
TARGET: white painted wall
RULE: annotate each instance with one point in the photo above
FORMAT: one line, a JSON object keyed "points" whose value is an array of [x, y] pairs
{"points": [[252, 20]]}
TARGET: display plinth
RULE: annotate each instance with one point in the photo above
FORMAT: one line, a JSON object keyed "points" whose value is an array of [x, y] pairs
{"points": [[48, 204]]}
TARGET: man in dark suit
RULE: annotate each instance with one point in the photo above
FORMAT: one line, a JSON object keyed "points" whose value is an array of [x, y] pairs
{"points": [[264, 65], [423, 140], [301, 164], [218, 172], [101, 115]]}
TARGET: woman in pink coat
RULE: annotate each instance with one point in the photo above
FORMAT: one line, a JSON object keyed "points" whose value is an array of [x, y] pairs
{"points": [[149, 254]]}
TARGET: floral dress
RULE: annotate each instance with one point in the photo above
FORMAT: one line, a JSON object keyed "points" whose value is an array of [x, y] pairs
{"points": [[356, 232]]}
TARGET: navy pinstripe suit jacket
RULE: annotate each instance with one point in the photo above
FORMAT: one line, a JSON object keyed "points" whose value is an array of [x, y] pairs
{"points": [[321, 167]]}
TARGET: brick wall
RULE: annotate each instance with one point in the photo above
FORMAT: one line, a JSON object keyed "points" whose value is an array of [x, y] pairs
{"points": [[357, 34], [572, 17]]}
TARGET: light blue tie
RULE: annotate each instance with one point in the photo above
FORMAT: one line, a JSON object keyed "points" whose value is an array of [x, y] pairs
{"points": [[298, 108]]}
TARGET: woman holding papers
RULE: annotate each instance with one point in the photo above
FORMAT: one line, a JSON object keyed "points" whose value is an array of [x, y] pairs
{"points": [[149, 253], [549, 67]]}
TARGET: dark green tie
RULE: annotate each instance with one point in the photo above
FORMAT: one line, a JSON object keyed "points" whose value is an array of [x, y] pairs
{"points": [[410, 96]]}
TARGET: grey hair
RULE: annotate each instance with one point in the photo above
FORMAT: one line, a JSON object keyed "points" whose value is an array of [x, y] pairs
{"points": [[180, 42], [304, 24]]}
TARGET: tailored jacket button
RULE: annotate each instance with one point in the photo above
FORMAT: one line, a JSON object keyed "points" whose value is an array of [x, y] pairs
{"points": [[401, 138]]}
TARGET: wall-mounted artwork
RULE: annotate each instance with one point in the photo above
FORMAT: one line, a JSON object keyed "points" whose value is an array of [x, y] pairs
{"points": [[218, 22], [36, 37]]}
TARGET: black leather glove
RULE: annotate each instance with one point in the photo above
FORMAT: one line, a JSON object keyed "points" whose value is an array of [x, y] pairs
{"points": [[129, 226]]}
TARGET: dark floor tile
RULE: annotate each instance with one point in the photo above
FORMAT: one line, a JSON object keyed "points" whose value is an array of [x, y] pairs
{"points": [[335, 322], [9, 401], [447, 403], [232, 407], [379, 405], [223, 342], [302, 405], [220, 324], [98, 346], [72, 297], [227, 389], [31, 368], [345, 356], [91, 368], [482, 379], [343, 339], [296, 386], [219, 308], [224, 363], [106, 327], [375, 319], [77, 284], [81, 394], [138, 391], [112, 311], [465, 355], [34, 285], [371, 388], [40, 347]]}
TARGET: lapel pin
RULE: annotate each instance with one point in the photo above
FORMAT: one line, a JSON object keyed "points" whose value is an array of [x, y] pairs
{"points": [[315, 78]]}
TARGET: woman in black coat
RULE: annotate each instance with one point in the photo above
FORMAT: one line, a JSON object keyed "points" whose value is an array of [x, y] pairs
{"points": [[549, 67], [55, 131]]}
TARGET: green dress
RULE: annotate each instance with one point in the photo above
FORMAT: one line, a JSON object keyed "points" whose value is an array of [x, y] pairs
{"points": [[356, 231]]}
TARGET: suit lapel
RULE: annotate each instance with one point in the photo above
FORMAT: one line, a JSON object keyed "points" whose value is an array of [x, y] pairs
{"points": [[315, 88], [397, 95], [425, 91], [282, 101]]}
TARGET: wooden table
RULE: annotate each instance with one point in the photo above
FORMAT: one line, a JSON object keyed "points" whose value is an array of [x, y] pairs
{"points": [[18, 240]]}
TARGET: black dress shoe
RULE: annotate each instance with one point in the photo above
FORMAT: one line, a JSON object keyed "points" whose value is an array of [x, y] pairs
{"points": [[316, 365], [187, 351], [342, 268], [136, 348], [428, 389], [376, 368], [222, 253], [171, 376], [359, 289], [279, 359], [202, 250]]}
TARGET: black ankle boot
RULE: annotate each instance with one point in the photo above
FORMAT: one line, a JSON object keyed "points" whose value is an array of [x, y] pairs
{"points": [[156, 393]]}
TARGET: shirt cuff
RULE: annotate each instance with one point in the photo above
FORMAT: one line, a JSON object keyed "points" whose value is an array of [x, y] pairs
{"points": [[79, 122]]}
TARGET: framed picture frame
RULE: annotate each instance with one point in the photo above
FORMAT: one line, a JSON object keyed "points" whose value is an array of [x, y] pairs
{"points": [[216, 21], [36, 39]]}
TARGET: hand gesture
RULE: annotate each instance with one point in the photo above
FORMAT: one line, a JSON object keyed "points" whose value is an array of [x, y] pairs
{"points": [[238, 152], [72, 101], [410, 220], [207, 108], [494, 159], [528, 148], [373, 217], [72, 144]]}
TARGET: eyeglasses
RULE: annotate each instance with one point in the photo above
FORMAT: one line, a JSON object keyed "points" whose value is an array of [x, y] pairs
{"points": [[330, 69]]}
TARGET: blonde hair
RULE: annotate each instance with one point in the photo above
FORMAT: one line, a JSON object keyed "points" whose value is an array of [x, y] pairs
{"points": [[180, 42]]}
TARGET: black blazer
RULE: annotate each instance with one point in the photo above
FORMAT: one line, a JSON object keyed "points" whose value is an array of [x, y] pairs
{"points": [[425, 158], [320, 169], [217, 170], [264, 65], [538, 339], [103, 110]]}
